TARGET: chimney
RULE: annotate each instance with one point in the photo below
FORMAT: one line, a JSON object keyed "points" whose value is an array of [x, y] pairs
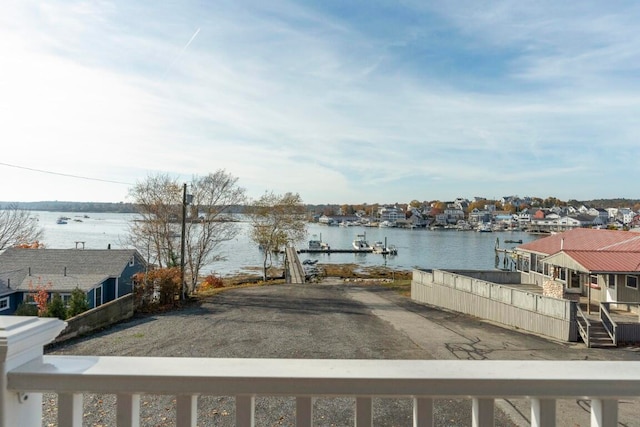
{"points": [[562, 243], [65, 271], [29, 271]]}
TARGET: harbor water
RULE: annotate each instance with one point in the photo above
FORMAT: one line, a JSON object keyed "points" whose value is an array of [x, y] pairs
{"points": [[416, 247]]}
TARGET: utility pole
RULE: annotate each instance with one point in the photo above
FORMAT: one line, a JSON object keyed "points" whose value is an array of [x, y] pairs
{"points": [[183, 294]]}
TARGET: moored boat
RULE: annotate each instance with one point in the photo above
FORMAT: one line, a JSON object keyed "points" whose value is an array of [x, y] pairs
{"points": [[360, 243]]}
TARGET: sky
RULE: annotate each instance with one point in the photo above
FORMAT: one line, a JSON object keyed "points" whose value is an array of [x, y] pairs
{"points": [[342, 102]]}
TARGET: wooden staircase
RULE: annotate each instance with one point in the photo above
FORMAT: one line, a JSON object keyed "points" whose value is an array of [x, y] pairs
{"points": [[599, 337]]}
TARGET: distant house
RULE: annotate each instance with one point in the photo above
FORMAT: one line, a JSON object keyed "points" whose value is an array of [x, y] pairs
{"points": [[103, 275], [603, 263]]}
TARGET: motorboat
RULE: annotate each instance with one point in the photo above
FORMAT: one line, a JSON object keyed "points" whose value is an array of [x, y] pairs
{"points": [[360, 243], [382, 248]]}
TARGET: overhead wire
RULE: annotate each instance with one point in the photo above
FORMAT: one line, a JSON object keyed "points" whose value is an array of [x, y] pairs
{"points": [[64, 174]]}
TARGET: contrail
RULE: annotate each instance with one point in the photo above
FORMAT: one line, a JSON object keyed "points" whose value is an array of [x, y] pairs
{"points": [[181, 52]]}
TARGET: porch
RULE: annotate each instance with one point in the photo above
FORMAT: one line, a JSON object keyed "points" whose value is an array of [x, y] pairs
{"points": [[26, 373]]}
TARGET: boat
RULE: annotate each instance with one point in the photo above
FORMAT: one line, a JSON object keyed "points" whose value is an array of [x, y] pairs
{"points": [[485, 227], [360, 243], [316, 244], [61, 220], [378, 247], [382, 248], [513, 241]]}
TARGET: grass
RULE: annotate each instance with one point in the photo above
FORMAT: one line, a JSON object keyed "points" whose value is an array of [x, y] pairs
{"points": [[396, 280]]}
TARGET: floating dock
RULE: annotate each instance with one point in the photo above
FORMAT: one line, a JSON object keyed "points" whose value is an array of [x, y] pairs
{"points": [[335, 251]]}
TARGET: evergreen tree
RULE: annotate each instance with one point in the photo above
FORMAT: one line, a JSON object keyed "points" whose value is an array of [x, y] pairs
{"points": [[26, 309], [56, 307], [77, 303]]}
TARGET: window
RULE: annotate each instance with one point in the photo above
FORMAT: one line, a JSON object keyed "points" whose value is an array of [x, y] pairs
{"points": [[4, 303], [611, 281], [98, 296], [562, 274], [594, 279], [632, 282]]}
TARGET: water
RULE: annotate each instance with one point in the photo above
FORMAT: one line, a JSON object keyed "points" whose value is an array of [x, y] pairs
{"points": [[416, 248]]}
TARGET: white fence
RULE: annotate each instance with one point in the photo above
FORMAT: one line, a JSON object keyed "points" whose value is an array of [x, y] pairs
{"points": [[26, 373], [507, 305]]}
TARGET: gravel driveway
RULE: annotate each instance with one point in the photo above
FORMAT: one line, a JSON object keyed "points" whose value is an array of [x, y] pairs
{"points": [[327, 320]]}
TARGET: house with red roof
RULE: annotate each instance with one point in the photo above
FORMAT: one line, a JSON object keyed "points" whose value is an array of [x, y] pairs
{"points": [[604, 264]]}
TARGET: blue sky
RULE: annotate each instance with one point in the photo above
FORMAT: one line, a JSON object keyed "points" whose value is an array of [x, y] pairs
{"points": [[342, 102]]}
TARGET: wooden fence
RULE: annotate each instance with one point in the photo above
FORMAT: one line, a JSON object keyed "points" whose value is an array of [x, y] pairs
{"points": [[499, 300]]}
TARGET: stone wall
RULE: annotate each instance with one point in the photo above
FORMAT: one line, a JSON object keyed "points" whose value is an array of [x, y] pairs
{"points": [[98, 318], [553, 289]]}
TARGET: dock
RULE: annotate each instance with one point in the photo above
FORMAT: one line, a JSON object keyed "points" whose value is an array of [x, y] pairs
{"points": [[334, 251], [294, 270]]}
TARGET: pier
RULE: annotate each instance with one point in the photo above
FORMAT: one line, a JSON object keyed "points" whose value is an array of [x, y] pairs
{"points": [[293, 267], [335, 251]]}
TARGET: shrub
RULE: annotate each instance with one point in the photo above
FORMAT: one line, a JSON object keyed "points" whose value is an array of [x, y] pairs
{"points": [[157, 289], [56, 307], [26, 309], [211, 282], [77, 303]]}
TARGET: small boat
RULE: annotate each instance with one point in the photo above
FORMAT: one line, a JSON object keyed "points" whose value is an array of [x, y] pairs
{"points": [[316, 244], [513, 241], [378, 247], [485, 227], [360, 243], [61, 220], [382, 248]]}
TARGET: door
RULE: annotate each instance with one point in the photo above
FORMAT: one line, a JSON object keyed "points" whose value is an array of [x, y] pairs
{"points": [[611, 292]]}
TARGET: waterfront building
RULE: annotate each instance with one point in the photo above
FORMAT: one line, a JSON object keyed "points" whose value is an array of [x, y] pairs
{"points": [[103, 275], [603, 264]]}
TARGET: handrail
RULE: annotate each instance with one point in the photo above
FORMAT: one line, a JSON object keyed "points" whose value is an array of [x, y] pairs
{"points": [[609, 324], [585, 331], [483, 381], [328, 377]]}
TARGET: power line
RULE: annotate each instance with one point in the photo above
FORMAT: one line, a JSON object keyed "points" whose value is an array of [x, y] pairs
{"points": [[64, 174]]}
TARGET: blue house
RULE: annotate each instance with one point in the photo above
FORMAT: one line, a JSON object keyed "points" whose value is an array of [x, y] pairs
{"points": [[103, 275]]}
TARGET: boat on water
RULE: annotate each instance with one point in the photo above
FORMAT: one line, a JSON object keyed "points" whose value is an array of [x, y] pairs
{"points": [[382, 248], [485, 227], [61, 220], [316, 244], [360, 243]]}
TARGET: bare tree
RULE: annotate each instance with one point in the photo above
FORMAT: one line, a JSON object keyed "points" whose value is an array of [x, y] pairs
{"points": [[211, 223], [277, 221], [17, 227], [157, 233]]}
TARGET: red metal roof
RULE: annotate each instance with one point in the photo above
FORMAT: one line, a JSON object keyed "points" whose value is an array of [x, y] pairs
{"points": [[586, 239], [596, 250], [605, 261]]}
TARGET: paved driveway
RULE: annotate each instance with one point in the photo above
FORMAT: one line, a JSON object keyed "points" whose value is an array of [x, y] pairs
{"points": [[326, 320]]}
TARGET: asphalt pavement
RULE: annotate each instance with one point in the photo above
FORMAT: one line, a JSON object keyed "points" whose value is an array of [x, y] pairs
{"points": [[332, 320]]}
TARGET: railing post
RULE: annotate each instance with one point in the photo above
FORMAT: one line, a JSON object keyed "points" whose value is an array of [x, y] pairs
{"points": [[364, 412], [543, 412], [604, 413], [482, 413], [22, 340], [423, 412]]}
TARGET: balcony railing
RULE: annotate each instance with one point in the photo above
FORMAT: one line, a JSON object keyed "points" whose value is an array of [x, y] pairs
{"points": [[26, 374]]}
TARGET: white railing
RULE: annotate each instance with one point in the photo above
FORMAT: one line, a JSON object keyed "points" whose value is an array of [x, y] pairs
{"points": [[26, 373]]}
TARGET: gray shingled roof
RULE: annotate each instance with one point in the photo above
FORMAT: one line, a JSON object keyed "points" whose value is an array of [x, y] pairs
{"points": [[65, 269]]}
